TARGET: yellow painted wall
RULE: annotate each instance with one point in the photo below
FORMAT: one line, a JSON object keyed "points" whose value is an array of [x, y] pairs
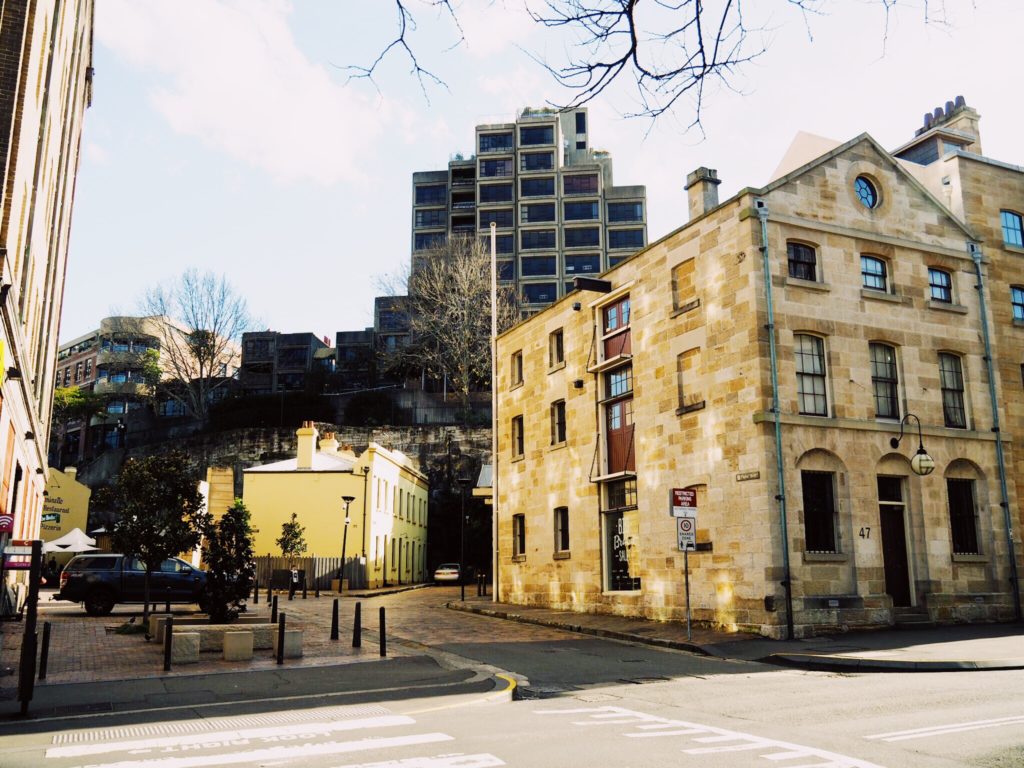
{"points": [[66, 507]]}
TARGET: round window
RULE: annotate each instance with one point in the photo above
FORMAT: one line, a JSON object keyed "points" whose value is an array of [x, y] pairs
{"points": [[866, 192]]}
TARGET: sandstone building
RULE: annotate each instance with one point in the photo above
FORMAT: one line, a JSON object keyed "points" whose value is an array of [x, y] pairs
{"points": [[766, 355]]}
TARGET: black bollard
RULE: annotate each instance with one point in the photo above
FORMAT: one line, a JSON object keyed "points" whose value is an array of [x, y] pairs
{"points": [[303, 589], [168, 641], [44, 654], [167, 605], [280, 639], [255, 592], [383, 634], [273, 611], [270, 589], [316, 593], [291, 591], [357, 627], [334, 621]]}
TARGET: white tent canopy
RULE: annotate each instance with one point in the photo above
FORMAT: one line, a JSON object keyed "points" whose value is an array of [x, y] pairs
{"points": [[75, 540]]}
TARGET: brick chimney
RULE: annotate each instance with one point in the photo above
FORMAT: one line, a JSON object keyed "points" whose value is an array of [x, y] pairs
{"points": [[956, 116], [306, 435], [702, 191], [329, 444], [71, 472]]}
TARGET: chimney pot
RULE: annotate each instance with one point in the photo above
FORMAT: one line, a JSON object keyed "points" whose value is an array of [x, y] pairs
{"points": [[949, 108], [937, 114]]}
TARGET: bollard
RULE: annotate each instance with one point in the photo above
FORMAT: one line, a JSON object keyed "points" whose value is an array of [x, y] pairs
{"points": [[273, 611], [291, 591], [357, 627], [316, 594], [383, 634], [168, 640], [334, 621], [270, 589], [303, 589], [44, 654], [167, 605], [280, 639], [255, 592]]}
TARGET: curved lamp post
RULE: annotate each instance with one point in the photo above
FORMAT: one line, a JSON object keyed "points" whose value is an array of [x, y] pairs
{"points": [[344, 543], [921, 463]]}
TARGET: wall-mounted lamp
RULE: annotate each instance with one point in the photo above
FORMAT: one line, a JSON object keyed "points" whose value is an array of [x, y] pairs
{"points": [[30, 435], [921, 463], [576, 306], [14, 373], [578, 383]]}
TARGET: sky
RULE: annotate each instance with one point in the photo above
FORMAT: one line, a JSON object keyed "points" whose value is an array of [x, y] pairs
{"points": [[227, 135]]}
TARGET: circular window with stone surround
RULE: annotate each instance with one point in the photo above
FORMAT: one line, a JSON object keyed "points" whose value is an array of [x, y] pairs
{"points": [[866, 192]]}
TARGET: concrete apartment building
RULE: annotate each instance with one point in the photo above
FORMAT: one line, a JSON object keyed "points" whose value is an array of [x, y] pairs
{"points": [[45, 88], [275, 362], [765, 355], [551, 194]]}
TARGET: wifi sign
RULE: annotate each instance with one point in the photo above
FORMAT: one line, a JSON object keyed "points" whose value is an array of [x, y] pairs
{"points": [[6, 523]]}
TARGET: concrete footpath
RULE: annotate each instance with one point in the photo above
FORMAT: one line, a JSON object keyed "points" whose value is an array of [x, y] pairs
{"points": [[958, 648]]}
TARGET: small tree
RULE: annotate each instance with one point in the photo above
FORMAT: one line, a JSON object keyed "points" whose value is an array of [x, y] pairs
{"points": [[228, 556], [160, 511], [293, 540]]}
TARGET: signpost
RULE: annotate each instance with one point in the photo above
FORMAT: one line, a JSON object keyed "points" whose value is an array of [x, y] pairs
{"points": [[683, 507]]}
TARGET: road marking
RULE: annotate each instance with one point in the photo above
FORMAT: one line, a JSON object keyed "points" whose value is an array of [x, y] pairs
{"points": [[234, 737], [774, 750], [482, 760], [939, 730], [291, 752]]}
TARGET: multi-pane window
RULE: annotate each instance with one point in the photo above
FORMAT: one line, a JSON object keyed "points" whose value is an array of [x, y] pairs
{"points": [[431, 218], [427, 240], [616, 337], [537, 161], [518, 535], [580, 184], [537, 213], [556, 348], [884, 381], [952, 378], [537, 187], [504, 244], [619, 382], [810, 374], [540, 293], [517, 435], [558, 422], [590, 262], [581, 211], [495, 142], [621, 494], [517, 368], [625, 212], [495, 193], [534, 239], [940, 284], [582, 237], [539, 134], [492, 168], [538, 266], [625, 238], [963, 523], [803, 261], [1017, 298], [500, 216], [819, 511], [561, 529], [434, 194], [1013, 228], [873, 273]]}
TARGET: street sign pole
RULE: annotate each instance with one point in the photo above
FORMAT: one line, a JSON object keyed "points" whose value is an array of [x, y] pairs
{"points": [[686, 571], [29, 643]]}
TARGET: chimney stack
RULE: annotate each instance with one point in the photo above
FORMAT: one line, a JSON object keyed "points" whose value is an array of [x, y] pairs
{"points": [[702, 191], [306, 435], [329, 444], [71, 472]]}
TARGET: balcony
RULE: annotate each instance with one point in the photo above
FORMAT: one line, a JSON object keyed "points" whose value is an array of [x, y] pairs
{"points": [[108, 387]]}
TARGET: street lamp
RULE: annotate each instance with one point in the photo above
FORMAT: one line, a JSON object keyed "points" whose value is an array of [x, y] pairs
{"points": [[921, 463], [463, 483], [344, 543]]}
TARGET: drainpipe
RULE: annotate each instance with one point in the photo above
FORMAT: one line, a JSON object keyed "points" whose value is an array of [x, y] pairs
{"points": [[975, 252], [787, 582]]}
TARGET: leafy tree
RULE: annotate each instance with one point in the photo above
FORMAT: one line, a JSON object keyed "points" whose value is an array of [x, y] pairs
{"points": [[199, 348], [450, 315], [160, 510], [293, 540], [229, 560]]}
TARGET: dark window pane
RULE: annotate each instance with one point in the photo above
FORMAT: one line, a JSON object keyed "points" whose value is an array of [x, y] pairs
{"points": [[501, 216], [963, 527], [582, 237], [540, 293], [819, 512], [537, 161], [802, 261], [534, 239], [580, 184], [432, 218], [492, 168], [625, 212], [941, 285], [581, 122], [872, 272], [625, 238], [581, 211], [432, 194], [537, 213], [884, 381], [537, 187], [429, 240], [538, 266], [495, 193], [495, 142], [506, 270], [581, 264], [539, 134], [952, 380]]}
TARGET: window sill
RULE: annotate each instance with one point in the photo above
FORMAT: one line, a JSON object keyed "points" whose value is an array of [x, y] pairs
{"points": [[623, 592], [825, 557], [557, 446], [561, 556], [517, 385], [970, 558], [518, 558], [1013, 248], [557, 367], [625, 475], [610, 363], [518, 458], [690, 408], [684, 308], [1018, 323], [945, 306], [811, 285], [892, 298]]}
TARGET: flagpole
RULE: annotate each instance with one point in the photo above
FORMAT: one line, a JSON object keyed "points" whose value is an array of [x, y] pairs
{"points": [[494, 408]]}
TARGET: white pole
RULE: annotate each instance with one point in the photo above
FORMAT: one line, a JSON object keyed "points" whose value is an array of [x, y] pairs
{"points": [[494, 408]]}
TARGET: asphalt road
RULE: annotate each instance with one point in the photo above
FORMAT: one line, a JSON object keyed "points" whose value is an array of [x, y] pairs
{"points": [[585, 702]]}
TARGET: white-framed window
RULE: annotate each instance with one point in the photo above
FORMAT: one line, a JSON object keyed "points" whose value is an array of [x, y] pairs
{"points": [[810, 374]]}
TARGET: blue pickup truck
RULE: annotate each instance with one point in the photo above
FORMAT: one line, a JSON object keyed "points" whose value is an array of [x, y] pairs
{"points": [[100, 581]]}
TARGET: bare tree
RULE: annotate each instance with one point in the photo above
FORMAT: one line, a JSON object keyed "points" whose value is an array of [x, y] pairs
{"points": [[449, 299], [199, 348], [665, 49]]}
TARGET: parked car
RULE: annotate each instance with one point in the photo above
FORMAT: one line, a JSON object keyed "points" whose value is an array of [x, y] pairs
{"points": [[449, 572], [101, 581]]}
